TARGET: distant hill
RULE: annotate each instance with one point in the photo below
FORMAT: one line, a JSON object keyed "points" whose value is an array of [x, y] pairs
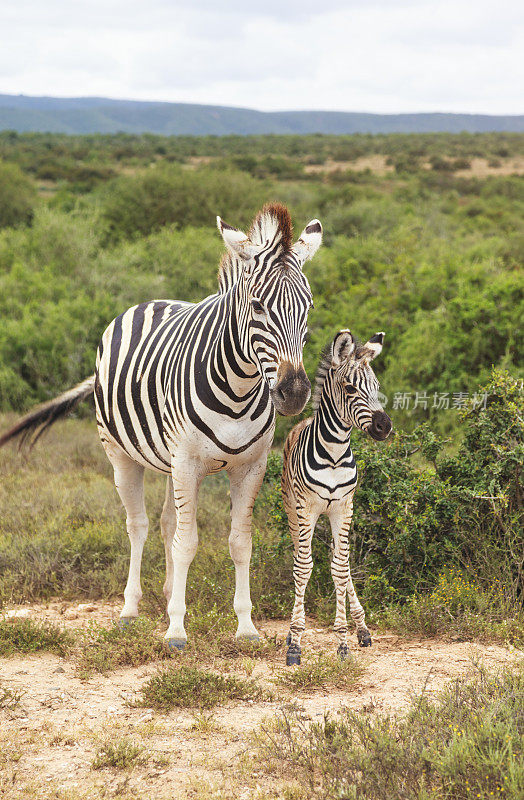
{"points": [[102, 115]]}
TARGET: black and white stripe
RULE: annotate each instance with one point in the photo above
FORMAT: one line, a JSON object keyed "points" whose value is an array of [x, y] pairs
{"points": [[320, 474]]}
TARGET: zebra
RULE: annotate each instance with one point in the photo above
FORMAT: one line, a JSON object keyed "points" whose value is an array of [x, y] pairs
{"points": [[191, 389], [320, 475]]}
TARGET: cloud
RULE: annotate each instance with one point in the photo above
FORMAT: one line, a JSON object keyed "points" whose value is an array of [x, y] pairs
{"points": [[375, 55]]}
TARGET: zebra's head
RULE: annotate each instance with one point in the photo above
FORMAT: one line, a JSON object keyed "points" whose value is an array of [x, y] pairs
{"points": [[274, 299], [348, 385]]}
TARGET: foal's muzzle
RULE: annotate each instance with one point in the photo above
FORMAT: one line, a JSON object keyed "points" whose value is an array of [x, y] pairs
{"points": [[381, 425], [291, 391]]}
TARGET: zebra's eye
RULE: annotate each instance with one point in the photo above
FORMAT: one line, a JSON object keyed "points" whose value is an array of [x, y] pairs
{"points": [[350, 389], [257, 307]]}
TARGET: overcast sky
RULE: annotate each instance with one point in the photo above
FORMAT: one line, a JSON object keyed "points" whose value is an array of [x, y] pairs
{"points": [[350, 55]]}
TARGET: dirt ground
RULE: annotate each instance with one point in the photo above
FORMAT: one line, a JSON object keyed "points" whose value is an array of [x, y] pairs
{"points": [[48, 742], [479, 167]]}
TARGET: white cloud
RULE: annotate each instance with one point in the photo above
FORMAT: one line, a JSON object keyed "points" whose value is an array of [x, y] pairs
{"points": [[369, 55]]}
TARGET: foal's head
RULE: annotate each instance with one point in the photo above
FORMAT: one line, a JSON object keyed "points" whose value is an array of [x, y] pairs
{"points": [[347, 386]]}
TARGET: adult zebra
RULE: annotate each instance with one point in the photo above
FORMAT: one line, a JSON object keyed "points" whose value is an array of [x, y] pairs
{"points": [[320, 475], [191, 389]]}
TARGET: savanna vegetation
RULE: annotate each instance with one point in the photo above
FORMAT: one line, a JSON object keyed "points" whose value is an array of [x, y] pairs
{"points": [[419, 246], [423, 239]]}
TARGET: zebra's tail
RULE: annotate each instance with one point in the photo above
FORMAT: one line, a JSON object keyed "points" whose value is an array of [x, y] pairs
{"points": [[31, 427]]}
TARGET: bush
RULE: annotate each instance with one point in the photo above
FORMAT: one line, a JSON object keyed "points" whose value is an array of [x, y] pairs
{"points": [[28, 636], [17, 197], [191, 687], [140, 204]]}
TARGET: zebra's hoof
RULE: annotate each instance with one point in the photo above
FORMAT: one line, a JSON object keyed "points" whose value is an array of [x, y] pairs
{"points": [[175, 645], [364, 638], [254, 638], [125, 622], [293, 655], [342, 652]]}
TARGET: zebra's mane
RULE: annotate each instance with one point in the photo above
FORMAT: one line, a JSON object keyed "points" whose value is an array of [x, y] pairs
{"points": [[326, 359], [324, 365], [273, 224]]}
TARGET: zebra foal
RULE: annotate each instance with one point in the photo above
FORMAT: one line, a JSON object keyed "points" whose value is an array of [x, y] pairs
{"points": [[320, 475], [190, 389]]}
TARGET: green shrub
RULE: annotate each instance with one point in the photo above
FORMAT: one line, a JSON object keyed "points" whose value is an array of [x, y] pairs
{"points": [[138, 205], [17, 197], [104, 649], [190, 687], [28, 636]]}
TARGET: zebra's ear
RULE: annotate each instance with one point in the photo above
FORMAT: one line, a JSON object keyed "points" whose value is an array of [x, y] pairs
{"points": [[236, 240], [373, 346], [309, 242], [343, 347]]}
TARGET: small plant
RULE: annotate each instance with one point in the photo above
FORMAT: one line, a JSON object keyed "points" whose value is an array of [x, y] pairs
{"points": [[322, 672], [123, 754], [28, 636], [191, 687], [204, 722], [9, 698], [104, 649]]}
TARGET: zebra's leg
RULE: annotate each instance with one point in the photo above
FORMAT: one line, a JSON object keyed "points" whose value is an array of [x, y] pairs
{"points": [[340, 518], [187, 476], [302, 568], [168, 529], [245, 483], [129, 482]]}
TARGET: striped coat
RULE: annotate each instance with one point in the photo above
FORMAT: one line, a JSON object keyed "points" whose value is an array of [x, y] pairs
{"points": [[320, 475]]}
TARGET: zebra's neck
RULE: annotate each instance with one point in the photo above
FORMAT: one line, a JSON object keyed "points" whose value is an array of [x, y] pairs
{"points": [[332, 435], [229, 349]]}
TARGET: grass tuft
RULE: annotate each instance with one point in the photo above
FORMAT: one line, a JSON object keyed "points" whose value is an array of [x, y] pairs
{"points": [[105, 649], [9, 698], [123, 754], [191, 687], [321, 673], [28, 636]]}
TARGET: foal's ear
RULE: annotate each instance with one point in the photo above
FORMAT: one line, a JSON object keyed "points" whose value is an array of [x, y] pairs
{"points": [[236, 240], [343, 347], [373, 346], [309, 241]]}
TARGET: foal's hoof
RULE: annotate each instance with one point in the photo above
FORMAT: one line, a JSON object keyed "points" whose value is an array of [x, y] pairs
{"points": [[364, 638], [125, 622], [342, 652], [174, 645], [293, 655]]}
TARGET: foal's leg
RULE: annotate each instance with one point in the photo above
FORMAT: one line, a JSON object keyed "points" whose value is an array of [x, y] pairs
{"points": [[302, 568], [187, 476], [340, 517], [245, 483], [129, 482], [168, 529]]}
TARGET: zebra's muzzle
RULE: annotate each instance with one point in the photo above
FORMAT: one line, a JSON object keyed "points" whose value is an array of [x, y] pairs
{"points": [[381, 425], [292, 390]]}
